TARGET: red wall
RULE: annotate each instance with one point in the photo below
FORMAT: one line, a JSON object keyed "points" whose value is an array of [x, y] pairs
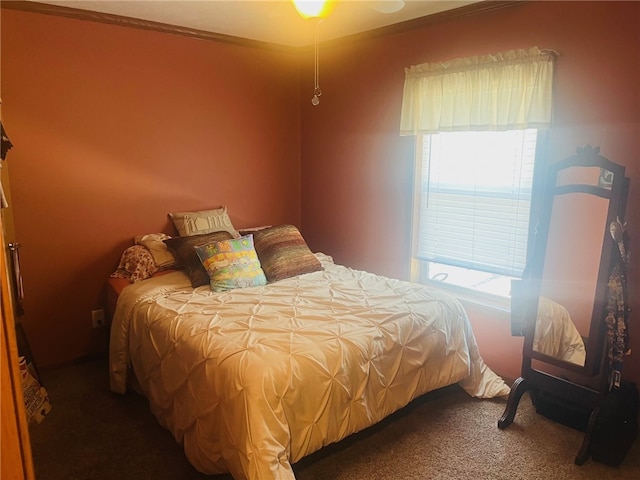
{"points": [[357, 172], [115, 127]]}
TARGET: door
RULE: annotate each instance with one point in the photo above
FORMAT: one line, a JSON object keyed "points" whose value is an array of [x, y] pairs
{"points": [[16, 456]]}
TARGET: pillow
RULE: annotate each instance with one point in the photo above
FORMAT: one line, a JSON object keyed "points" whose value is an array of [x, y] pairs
{"points": [[283, 253], [232, 264], [248, 230], [136, 263], [205, 221], [162, 257], [183, 249]]}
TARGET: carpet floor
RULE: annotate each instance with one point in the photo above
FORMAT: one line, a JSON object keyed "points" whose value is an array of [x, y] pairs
{"points": [[93, 434]]}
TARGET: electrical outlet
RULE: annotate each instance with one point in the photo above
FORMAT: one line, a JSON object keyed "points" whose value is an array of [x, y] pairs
{"points": [[97, 318]]}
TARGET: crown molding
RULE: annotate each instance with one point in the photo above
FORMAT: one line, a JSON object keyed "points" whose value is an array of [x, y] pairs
{"points": [[79, 14], [108, 18]]}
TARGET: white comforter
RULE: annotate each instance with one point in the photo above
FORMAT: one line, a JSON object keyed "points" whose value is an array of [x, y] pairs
{"points": [[252, 380], [556, 335]]}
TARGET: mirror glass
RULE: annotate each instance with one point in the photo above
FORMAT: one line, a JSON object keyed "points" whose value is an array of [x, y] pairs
{"points": [[570, 273]]}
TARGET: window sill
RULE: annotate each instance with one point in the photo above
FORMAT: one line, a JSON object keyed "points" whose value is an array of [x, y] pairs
{"points": [[477, 300]]}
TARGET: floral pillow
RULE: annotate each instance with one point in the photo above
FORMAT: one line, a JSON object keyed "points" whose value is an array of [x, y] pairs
{"points": [[232, 264], [136, 263]]}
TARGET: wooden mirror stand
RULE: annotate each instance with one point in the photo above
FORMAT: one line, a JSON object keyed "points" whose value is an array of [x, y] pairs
{"points": [[568, 280]]}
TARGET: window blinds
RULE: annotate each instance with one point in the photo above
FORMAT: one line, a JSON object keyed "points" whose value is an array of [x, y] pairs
{"points": [[475, 197]]}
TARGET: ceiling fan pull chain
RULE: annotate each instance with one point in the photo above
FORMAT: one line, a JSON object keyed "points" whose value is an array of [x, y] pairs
{"points": [[316, 68]]}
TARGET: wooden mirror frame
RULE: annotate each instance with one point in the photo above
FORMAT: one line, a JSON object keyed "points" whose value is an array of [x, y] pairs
{"points": [[581, 385]]}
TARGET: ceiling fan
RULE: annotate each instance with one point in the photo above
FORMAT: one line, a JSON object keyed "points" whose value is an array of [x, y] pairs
{"points": [[318, 10], [386, 6], [321, 8]]}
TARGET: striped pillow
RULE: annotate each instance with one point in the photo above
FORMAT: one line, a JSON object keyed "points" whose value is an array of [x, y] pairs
{"points": [[283, 253]]}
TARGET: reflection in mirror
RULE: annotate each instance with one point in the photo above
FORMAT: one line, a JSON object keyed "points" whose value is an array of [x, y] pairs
{"points": [[556, 335], [570, 273]]}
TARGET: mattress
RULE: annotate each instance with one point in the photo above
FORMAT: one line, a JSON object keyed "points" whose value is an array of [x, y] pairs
{"points": [[251, 380]]}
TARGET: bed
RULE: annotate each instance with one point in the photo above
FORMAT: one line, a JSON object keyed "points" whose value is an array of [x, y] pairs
{"points": [[251, 380]]}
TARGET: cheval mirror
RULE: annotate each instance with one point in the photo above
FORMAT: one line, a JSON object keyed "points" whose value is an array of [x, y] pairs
{"points": [[560, 305]]}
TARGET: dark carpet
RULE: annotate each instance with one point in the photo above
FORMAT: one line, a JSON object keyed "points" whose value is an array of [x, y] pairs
{"points": [[93, 434]]}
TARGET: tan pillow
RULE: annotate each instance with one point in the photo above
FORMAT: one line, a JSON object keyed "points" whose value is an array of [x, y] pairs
{"points": [[161, 255], [184, 250], [204, 221], [283, 253]]}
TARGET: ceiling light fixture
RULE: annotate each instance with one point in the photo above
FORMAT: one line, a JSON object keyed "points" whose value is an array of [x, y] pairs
{"points": [[315, 10]]}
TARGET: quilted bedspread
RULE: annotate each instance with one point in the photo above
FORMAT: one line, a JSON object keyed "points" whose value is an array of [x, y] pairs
{"points": [[556, 335], [251, 380]]}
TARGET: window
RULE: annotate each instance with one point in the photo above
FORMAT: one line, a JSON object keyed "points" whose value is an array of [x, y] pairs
{"points": [[472, 208], [476, 121]]}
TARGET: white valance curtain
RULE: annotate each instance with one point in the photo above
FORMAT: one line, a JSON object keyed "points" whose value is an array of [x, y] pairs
{"points": [[505, 91]]}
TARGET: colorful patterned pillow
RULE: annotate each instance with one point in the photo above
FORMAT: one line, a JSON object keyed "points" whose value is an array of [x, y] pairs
{"points": [[136, 263], [183, 249], [205, 221], [283, 253], [232, 264]]}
